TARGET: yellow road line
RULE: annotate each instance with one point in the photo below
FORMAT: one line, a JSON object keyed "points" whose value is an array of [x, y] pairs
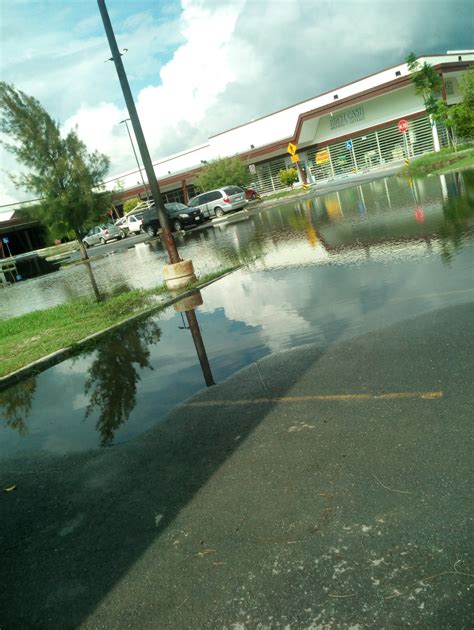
{"points": [[431, 295], [319, 397]]}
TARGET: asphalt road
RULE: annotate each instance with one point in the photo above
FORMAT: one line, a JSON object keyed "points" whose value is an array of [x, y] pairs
{"points": [[324, 487]]}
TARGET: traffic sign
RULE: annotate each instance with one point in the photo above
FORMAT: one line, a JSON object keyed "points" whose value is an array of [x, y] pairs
{"points": [[6, 240], [349, 145], [295, 158], [403, 125], [291, 148]]}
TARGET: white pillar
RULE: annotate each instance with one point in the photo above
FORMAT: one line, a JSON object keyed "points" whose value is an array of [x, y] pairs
{"points": [[434, 131]]}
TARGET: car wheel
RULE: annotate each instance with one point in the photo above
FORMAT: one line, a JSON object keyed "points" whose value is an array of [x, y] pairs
{"points": [[176, 225], [219, 212], [86, 244], [150, 231], [102, 241]]}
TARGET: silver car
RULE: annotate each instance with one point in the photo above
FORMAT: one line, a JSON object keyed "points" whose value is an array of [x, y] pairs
{"points": [[217, 202], [100, 234]]}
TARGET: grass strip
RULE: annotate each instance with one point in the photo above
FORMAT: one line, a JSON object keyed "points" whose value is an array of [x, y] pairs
{"points": [[32, 336], [439, 161]]}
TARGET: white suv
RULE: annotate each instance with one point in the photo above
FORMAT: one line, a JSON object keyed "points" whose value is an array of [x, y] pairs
{"points": [[217, 202]]}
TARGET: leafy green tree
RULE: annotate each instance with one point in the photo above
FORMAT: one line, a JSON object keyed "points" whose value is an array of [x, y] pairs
{"points": [[457, 118], [59, 170], [427, 82], [462, 114], [229, 171], [131, 204], [288, 176]]}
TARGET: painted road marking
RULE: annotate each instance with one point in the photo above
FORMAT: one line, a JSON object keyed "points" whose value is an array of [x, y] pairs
{"points": [[320, 397], [432, 295]]}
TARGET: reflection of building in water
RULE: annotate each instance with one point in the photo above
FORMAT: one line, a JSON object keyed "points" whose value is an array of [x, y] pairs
{"points": [[333, 206], [188, 306], [387, 212]]}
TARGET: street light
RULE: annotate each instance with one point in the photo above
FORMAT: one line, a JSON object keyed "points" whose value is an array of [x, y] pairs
{"points": [[126, 120]]}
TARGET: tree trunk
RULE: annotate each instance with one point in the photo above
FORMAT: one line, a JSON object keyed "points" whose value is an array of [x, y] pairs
{"points": [[82, 247]]}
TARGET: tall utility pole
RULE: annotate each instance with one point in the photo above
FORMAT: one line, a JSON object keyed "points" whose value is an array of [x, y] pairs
{"points": [[126, 120], [137, 128]]}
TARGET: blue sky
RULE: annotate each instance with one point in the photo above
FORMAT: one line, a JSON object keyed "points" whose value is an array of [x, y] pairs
{"points": [[197, 67]]}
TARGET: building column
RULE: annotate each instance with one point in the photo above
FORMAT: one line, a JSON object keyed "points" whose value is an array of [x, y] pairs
{"points": [[185, 191], [434, 131]]}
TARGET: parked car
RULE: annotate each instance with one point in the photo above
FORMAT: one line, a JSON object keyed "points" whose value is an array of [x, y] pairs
{"points": [[217, 202], [130, 224], [100, 234], [180, 215]]}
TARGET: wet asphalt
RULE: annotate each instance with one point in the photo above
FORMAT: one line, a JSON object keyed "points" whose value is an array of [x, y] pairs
{"points": [[322, 487]]}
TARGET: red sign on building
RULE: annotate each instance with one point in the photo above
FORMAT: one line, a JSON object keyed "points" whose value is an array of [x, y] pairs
{"points": [[403, 125]]}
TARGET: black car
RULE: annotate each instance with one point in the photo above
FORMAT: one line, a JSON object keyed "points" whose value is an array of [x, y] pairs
{"points": [[180, 216]]}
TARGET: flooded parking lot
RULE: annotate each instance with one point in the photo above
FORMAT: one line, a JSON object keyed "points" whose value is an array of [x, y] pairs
{"points": [[323, 481], [322, 270], [382, 219]]}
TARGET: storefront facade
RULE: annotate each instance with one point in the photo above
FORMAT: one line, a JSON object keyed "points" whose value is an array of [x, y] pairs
{"points": [[352, 129]]}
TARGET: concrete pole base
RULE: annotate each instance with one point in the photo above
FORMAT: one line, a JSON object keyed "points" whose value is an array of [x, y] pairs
{"points": [[179, 275]]}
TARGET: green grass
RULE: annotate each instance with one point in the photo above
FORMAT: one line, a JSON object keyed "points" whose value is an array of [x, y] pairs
{"points": [[30, 337], [440, 161], [467, 161]]}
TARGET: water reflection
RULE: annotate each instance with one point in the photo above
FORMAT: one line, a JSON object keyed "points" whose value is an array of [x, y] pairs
{"points": [[341, 227], [114, 374], [188, 306], [117, 365], [15, 404], [457, 210]]}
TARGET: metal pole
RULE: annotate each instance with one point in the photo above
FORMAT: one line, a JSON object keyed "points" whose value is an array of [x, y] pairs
{"points": [[134, 152], [137, 128]]}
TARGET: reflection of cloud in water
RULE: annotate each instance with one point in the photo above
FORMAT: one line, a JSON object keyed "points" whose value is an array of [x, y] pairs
{"points": [[252, 301], [80, 401], [76, 365], [293, 254]]}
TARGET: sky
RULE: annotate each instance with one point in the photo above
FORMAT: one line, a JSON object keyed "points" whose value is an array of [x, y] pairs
{"points": [[198, 67]]}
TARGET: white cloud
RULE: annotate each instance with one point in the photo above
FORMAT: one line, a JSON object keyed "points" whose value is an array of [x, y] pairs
{"points": [[206, 66]]}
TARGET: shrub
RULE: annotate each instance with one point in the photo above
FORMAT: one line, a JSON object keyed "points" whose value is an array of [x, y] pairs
{"points": [[288, 176]]}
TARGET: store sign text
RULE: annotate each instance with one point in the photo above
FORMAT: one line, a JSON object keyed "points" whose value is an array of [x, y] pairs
{"points": [[347, 117]]}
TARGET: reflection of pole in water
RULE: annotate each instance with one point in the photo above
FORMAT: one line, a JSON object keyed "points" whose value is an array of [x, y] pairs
{"points": [[362, 205], [188, 304], [387, 193], [97, 294], [199, 345]]}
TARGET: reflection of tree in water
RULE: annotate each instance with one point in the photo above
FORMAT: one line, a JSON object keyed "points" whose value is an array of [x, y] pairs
{"points": [[16, 402], [456, 213], [113, 376]]}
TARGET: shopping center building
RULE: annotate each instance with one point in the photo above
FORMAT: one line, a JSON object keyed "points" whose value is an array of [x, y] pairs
{"points": [[351, 129]]}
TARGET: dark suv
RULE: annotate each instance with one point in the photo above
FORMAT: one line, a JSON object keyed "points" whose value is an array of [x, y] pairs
{"points": [[179, 214]]}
